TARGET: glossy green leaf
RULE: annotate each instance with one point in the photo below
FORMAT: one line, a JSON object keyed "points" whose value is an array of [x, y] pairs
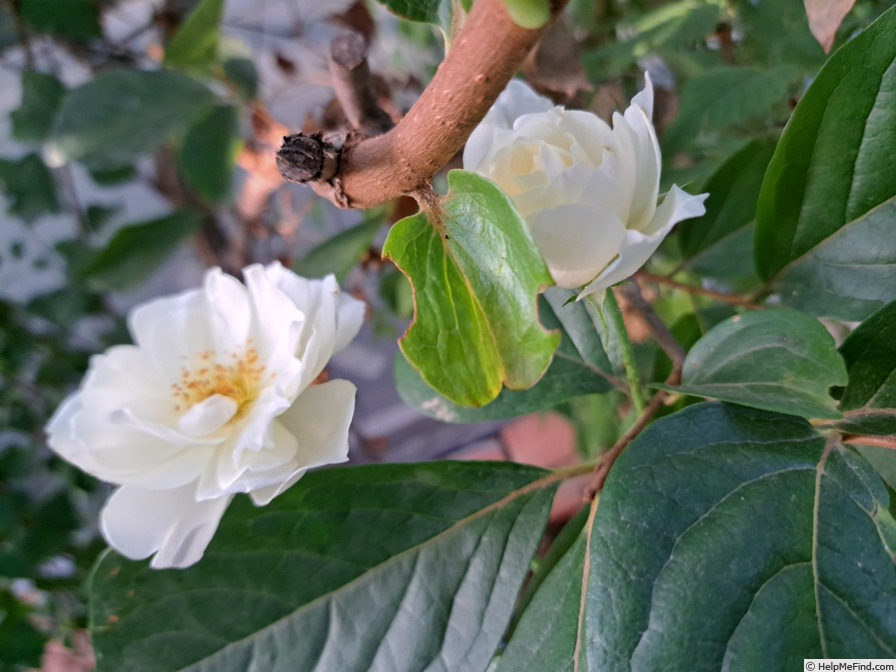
{"points": [[476, 275], [207, 157], [41, 95], [380, 568], [545, 638], [825, 236], [849, 275], [715, 245], [341, 253], [869, 400], [195, 44], [135, 252], [778, 360], [29, 186], [580, 366], [115, 118], [76, 20], [733, 539]]}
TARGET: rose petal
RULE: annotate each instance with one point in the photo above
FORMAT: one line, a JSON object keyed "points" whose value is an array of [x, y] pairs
{"points": [[638, 247], [647, 160], [319, 420], [590, 132], [644, 98], [170, 523], [120, 454], [208, 416], [515, 101], [576, 241], [212, 319], [677, 206]]}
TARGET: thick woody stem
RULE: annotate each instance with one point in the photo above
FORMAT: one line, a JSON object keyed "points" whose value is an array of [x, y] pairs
{"points": [[488, 50]]}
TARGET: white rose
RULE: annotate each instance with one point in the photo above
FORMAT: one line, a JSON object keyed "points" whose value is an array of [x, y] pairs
{"points": [[215, 398], [587, 191]]}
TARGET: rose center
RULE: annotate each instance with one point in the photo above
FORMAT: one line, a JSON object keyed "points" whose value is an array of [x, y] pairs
{"points": [[237, 376]]}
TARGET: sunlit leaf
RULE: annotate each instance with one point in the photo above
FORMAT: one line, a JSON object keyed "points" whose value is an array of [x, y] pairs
{"points": [[195, 44], [476, 275], [580, 366]]}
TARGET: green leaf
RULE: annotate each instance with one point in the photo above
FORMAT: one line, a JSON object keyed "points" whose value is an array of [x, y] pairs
{"points": [[391, 567], [777, 32], [727, 96], [777, 360], [545, 638], [883, 460], [447, 14], [76, 20], [136, 251], [715, 245], [869, 400], [580, 366], [20, 642], [208, 154], [668, 27], [195, 44], [340, 254], [824, 236], [529, 14], [241, 72], [476, 275], [731, 538], [41, 95], [849, 275], [115, 118], [29, 186]]}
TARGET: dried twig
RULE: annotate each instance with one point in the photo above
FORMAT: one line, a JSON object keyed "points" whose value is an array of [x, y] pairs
{"points": [[487, 51], [730, 299], [661, 333], [876, 441], [354, 87]]}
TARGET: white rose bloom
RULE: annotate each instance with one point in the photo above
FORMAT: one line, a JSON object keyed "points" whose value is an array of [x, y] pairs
{"points": [[587, 191], [215, 398]]}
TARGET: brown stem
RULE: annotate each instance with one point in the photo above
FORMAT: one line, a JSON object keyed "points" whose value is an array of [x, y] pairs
{"points": [[876, 441], [353, 85], [488, 50], [663, 336], [730, 299]]}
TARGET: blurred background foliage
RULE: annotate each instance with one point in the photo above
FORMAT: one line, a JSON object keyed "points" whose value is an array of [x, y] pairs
{"points": [[136, 148]]}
